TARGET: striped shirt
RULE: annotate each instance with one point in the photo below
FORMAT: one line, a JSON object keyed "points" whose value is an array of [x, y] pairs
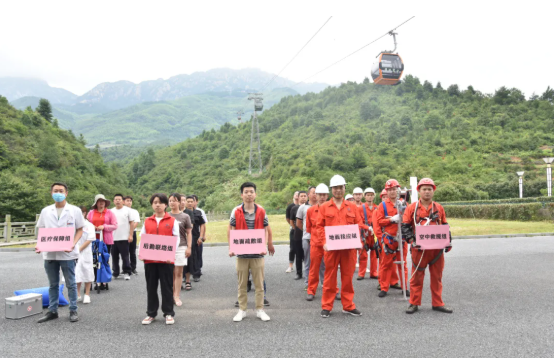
{"points": [[250, 219]]}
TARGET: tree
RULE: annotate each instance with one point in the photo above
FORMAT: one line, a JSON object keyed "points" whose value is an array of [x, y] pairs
{"points": [[548, 95], [453, 90], [45, 109], [428, 86]]}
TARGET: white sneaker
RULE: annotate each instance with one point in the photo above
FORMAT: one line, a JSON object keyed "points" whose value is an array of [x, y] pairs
{"points": [[128, 277], [367, 270], [87, 299], [289, 270], [169, 319], [148, 320], [239, 316], [79, 298], [262, 315]]}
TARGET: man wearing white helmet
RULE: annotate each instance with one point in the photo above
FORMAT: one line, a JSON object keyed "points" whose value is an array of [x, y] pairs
{"points": [[349, 198], [368, 208], [317, 267], [338, 212]]}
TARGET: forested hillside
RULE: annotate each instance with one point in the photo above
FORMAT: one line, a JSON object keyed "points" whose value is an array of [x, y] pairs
{"points": [[470, 143], [34, 152]]}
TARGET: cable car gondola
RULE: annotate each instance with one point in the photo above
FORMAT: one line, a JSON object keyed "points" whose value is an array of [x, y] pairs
{"points": [[389, 68], [239, 114], [258, 105]]}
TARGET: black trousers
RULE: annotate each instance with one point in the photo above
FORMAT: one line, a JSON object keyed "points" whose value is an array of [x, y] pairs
{"points": [[121, 248], [133, 252], [162, 273], [291, 247], [197, 252], [298, 251]]}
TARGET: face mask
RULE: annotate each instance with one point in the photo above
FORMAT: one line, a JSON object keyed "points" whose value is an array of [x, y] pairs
{"points": [[58, 197]]}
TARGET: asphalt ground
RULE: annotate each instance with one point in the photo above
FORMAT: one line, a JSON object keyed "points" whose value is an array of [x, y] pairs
{"points": [[501, 290]]}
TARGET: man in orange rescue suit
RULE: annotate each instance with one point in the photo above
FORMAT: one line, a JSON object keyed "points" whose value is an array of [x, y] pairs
{"points": [[385, 224], [357, 194], [317, 267], [366, 211], [338, 212], [425, 212]]}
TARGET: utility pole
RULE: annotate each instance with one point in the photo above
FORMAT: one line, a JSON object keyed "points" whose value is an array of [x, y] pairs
{"points": [[255, 158]]}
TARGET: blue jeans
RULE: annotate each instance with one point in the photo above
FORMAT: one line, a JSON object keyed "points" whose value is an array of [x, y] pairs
{"points": [[52, 268]]}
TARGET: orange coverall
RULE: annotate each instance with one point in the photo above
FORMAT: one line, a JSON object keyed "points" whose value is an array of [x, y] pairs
{"points": [[330, 215], [424, 258], [316, 248], [363, 256], [383, 226]]}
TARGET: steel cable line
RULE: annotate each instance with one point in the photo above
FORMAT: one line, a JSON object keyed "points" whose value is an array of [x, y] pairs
{"points": [[345, 57], [293, 58]]}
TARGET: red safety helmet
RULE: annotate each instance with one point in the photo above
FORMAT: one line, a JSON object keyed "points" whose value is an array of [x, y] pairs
{"points": [[391, 183], [426, 181], [384, 192]]}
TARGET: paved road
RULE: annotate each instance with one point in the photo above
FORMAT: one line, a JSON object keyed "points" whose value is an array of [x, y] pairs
{"points": [[502, 291]]}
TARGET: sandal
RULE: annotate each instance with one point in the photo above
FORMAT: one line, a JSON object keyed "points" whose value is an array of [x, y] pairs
{"points": [[188, 286], [177, 301]]}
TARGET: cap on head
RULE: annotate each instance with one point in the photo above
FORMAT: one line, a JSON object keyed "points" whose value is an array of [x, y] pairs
{"points": [[369, 190], [337, 180], [357, 191], [391, 183], [426, 181], [322, 189]]}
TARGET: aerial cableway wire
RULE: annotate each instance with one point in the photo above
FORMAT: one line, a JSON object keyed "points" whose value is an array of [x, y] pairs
{"points": [[293, 58], [345, 57]]}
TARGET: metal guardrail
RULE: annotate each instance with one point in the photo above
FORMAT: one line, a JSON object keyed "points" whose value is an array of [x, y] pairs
{"points": [[21, 231]]}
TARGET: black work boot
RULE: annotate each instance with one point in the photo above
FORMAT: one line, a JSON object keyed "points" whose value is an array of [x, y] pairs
{"points": [[412, 309], [48, 317], [443, 309], [298, 277], [382, 294]]}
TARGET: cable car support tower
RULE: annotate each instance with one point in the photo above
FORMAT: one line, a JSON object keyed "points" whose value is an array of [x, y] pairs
{"points": [[255, 151]]}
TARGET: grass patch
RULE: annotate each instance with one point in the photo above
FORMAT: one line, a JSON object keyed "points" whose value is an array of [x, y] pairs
{"points": [[217, 231]]}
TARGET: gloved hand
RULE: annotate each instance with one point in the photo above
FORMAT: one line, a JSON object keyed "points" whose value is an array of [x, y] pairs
{"points": [[407, 233], [395, 218], [371, 231], [366, 247]]}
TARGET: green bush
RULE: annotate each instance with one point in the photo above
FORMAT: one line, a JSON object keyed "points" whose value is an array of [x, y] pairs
{"points": [[512, 212]]}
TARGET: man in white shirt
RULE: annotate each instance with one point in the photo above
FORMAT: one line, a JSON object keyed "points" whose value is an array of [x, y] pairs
{"points": [[122, 236], [59, 215], [135, 217]]}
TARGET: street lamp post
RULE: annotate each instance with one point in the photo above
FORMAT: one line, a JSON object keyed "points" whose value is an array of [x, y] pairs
{"points": [[548, 161], [520, 174]]}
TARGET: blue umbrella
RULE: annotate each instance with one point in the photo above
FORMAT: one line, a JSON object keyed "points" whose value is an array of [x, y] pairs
{"points": [[102, 257]]}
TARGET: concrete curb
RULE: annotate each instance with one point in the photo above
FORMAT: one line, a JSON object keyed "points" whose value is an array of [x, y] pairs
{"points": [[218, 244]]}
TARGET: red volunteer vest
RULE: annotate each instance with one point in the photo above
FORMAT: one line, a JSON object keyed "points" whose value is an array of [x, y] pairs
{"points": [[165, 228], [241, 221]]}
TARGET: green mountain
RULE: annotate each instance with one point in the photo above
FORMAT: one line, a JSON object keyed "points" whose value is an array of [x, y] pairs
{"points": [[168, 122], [34, 153], [471, 143]]}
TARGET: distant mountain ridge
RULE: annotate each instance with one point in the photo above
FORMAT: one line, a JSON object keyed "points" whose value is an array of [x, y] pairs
{"points": [[116, 95], [14, 88]]}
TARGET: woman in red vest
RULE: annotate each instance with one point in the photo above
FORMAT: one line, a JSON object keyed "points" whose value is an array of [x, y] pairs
{"points": [[161, 223]]}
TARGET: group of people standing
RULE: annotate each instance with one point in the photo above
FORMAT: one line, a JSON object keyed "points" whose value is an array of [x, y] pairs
{"points": [[312, 211], [308, 218], [116, 229]]}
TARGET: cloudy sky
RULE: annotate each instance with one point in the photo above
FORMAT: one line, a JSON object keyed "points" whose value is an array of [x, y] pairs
{"points": [[79, 44]]}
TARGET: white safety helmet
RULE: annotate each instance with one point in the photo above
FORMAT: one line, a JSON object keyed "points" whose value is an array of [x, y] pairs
{"points": [[357, 191], [348, 196], [322, 189], [369, 190], [337, 180]]}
